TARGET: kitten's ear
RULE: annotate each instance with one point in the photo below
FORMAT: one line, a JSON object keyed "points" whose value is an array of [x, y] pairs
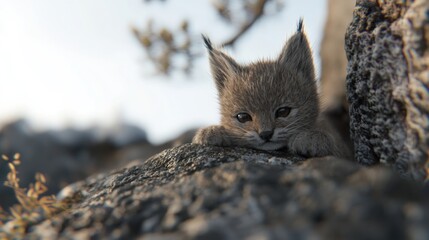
{"points": [[222, 65], [297, 53]]}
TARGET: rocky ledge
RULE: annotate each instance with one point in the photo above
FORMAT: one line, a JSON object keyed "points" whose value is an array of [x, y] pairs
{"points": [[198, 192]]}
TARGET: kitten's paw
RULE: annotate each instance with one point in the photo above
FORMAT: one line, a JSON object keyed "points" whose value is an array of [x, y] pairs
{"points": [[312, 144], [209, 136]]}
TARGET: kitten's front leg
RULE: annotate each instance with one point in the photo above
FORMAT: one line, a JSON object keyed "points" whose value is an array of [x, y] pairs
{"points": [[214, 135], [312, 143]]}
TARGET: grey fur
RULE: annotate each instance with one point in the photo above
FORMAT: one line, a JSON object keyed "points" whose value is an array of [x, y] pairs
{"points": [[260, 89]]}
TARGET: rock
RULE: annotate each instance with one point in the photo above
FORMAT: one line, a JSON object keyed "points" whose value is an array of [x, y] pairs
{"points": [[67, 155], [202, 192], [387, 45]]}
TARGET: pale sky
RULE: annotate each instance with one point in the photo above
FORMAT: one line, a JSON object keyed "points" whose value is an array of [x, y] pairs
{"points": [[76, 63]]}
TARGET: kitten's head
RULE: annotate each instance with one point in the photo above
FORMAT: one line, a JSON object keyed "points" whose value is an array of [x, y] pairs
{"points": [[264, 103]]}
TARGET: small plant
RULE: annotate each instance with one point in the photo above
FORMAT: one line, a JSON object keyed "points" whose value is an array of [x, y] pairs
{"points": [[32, 206]]}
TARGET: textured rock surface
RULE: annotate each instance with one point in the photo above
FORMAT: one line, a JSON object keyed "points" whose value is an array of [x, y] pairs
{"points": [[70, 155], [387, 46], [219, 193]]}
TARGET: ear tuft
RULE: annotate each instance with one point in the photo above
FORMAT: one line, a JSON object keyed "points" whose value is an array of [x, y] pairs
{"points": [[296, 54], [207, 42], [222, 66], [300, 25]]}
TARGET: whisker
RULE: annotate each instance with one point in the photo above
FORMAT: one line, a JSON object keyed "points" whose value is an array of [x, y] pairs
{"points": [[291, 127]]}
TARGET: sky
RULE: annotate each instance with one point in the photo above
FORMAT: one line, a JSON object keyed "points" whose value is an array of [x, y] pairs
{"points": [[77, 64]]}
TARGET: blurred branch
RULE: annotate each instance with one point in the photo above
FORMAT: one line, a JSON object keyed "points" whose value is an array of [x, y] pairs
{"points": [[258, 12], [165, 46]]}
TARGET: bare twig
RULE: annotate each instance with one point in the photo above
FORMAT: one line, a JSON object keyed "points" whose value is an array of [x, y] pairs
{"points": [[258, 13]]}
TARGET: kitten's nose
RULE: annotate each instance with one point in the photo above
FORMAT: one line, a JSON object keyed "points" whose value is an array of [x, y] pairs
{"points": [[266, 135]]}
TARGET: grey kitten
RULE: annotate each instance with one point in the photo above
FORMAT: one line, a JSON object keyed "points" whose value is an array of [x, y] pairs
{"points": [[270, 105]]}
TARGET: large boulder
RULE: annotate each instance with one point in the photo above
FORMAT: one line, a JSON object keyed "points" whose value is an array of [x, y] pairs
{"points": [[387, 46], [197, 192]]}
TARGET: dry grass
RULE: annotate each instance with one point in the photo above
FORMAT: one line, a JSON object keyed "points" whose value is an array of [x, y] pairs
{"points": [[33, 206]]}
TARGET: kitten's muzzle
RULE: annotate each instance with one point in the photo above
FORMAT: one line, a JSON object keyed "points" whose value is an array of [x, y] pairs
{"points": [[266, 135]]}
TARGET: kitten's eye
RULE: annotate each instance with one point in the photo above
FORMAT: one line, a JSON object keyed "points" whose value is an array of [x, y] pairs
{"points": [[283, 112], [243, 117]]}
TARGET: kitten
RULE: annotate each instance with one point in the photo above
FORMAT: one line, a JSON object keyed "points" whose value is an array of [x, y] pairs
{"points": [[269, 105]]}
